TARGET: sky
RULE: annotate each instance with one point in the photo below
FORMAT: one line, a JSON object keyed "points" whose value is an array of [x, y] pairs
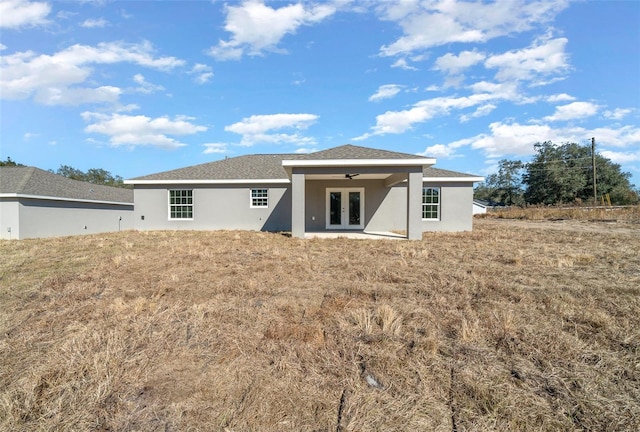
{"points": [[139, 87]]}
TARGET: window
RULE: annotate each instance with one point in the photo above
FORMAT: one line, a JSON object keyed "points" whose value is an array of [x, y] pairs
{"points": [[259, 198], [181, 204], [431, 203]]}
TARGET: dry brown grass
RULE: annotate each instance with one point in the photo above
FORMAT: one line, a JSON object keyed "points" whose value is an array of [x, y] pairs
{"points": [[599, 214], [503, 329]]}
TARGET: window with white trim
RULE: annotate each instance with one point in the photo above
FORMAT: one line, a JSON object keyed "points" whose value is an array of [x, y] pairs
{"points": [[181, 204], [259, 198], [431, 203]]}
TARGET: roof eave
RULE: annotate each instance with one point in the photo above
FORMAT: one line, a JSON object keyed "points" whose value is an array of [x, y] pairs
{"points": [[356, 162], [51, 198], [205, 182], [453, 179]]}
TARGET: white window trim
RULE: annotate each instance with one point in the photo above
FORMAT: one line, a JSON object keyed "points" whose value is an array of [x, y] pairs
{"points": [[436, 219], [169, 205], [251, 205]]}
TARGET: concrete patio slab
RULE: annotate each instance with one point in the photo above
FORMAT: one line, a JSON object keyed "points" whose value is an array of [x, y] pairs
{"points": [[362, 235]]}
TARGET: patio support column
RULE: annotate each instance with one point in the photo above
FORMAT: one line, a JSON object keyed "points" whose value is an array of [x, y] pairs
{"points": [[297, 205], [414, 204]]}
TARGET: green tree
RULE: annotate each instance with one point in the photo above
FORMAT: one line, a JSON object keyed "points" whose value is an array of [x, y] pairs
{"points": [[564, 174], [70, 172], [93, 175], [505, 186], [9, 162]]}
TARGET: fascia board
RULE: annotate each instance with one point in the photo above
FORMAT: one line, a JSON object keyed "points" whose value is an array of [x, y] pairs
{"points": [[205, 182], [50, 198], [452, 179], [357, 162]]}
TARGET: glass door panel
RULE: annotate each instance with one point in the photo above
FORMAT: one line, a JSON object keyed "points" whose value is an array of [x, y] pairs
{"points": [[354, 208], [335, 208]]}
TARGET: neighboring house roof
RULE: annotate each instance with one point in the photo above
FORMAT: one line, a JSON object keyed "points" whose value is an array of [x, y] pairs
{"points": [[31, 182], [270, 166]]}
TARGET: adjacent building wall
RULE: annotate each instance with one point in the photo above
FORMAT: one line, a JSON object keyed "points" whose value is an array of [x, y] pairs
{"points": [[39, 218], [214, 207], [9, 218], [48, 218]]}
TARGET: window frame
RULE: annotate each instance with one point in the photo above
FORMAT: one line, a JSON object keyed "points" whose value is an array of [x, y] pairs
{"points": [[187, 204], [254, 201], [426, 205]]}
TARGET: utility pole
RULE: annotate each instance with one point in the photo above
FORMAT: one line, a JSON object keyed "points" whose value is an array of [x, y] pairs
{"points": [[593, 162]]}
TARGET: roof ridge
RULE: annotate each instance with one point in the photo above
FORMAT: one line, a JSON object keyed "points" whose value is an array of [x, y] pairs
{"points": [[24, 180]]}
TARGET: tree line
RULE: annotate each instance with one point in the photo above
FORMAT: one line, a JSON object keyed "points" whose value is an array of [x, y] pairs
{"points": [[557, 174], [92, 175]]}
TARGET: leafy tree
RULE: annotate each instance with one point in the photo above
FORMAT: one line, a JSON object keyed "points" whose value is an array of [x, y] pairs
{"points": [[564, 174], [505, 186], [70, 172], [93, 175], [9, 162]]}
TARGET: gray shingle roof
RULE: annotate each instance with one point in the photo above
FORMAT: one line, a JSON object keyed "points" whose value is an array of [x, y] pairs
{"points": [[34, 181], [350, 151], [264, 166], [269, 166], [437, 172]]}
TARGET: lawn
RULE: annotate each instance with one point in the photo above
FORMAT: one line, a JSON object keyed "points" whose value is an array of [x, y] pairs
{"points": [[518, 325]]}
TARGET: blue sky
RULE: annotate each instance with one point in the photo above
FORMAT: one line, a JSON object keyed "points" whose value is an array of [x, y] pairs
{"points": [[138, 87]]}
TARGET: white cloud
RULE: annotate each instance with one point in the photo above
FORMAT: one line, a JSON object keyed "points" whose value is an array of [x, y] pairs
{"points": [[215, 148], [261, 128], [256, 27], [95, 23], [77, 96], [482, 111], [202, 72], [18, 13], [618, 113], [141, 130], [454, 64], [385, 92], [574, 110], [543, 58], [402, 64], [515, 139], [305, 150], [396, 122], [438, 151], [562, 97], [446, 150], [50, 77], [2, 47], [439, 22], [621, 157], [146, 86]]}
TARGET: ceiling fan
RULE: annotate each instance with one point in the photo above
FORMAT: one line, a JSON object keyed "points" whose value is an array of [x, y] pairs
{"points": [[350, 176]]}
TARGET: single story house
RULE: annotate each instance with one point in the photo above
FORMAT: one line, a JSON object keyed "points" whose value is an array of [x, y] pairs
{"points": [[37, 203], [342, 188]]}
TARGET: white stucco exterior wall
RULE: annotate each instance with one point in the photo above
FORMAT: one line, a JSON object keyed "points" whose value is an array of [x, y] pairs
{"points": [[40, 218], [215, 207]]}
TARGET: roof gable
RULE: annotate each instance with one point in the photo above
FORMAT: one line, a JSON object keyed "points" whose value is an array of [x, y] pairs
{"points": [[350, 151], [33, 181]]}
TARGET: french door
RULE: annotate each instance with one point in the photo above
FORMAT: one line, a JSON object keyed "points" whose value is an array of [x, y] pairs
{"points": [[345, 208]]}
